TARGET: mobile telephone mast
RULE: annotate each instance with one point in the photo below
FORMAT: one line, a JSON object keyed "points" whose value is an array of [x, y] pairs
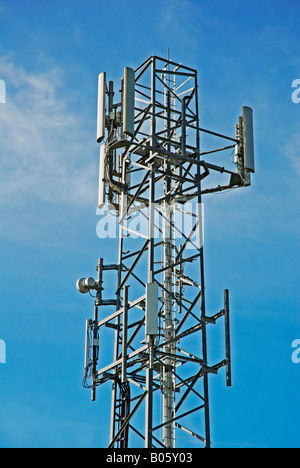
{"points": [[155, 173]]}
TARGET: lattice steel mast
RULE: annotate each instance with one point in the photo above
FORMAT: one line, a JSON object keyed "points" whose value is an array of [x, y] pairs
{"points": [[152, 176]]}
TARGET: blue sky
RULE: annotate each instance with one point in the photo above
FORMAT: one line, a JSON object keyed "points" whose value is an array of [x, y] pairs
{"points": [[247, 53]]}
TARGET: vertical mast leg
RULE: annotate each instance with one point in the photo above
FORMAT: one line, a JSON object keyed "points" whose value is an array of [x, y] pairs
{"points": [[203, 306]]}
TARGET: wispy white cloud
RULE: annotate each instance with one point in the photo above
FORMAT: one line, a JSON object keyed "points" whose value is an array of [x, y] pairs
{"points": [[42, 141], [176, 24], [46, 147]]}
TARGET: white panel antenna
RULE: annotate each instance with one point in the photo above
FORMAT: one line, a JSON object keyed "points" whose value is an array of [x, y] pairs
{"points": [[248, 139], [128, 101], [101, 197], [101, 107], [87, 348]]}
